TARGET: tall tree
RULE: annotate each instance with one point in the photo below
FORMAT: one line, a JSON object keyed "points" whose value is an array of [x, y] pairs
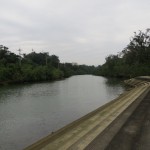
{"points": [[138, 50]]}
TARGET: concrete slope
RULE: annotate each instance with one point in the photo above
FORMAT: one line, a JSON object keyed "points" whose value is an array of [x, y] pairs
{"points": [[81, 133], [135, 133]]}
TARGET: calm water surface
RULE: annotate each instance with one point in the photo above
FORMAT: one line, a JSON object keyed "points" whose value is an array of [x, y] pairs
{"points": [[31, 111]]}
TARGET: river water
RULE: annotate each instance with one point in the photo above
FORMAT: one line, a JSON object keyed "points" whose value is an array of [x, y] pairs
{"points": [[29, 112]]}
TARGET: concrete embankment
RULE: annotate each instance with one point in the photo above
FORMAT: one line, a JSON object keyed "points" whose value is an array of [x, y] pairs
{"points": [[97, 129]]}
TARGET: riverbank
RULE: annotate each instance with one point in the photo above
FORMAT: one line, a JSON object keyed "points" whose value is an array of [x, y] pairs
{"points": [[135, 133], [81, 133]]}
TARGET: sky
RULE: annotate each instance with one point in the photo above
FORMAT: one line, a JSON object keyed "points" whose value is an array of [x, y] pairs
{"points": [[81, 31]]}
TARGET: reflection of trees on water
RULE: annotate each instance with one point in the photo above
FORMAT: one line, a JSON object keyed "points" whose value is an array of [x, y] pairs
{"points": [[114, 82], [114, 87], [10, 90]]}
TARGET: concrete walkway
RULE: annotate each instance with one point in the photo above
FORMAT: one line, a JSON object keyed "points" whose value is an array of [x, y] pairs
{"points": [[135, 134], [97, 129]]}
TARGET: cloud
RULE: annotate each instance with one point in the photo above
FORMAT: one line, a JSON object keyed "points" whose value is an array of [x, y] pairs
{"points": [[82, 31]]}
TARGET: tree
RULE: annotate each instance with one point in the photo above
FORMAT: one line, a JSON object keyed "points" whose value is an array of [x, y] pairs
{"points": [[7, 57], [134, 60], [54, 61], [138, 50]]}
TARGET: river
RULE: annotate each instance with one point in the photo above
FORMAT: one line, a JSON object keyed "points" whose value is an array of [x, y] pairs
{"points": [[29, 112]]}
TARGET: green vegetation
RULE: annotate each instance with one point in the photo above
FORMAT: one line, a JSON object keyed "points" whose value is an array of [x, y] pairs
{"points": [[35, 67], [133, 61]]}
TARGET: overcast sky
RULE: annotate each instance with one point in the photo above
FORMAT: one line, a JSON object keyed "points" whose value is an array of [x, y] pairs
{"points": [[82, 31]]}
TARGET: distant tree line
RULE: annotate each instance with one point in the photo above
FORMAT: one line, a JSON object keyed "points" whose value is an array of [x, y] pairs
{"points": [[133, 61], [35, 67]]}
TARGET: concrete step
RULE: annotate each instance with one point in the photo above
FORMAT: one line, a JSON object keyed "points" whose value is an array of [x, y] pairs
{"points": [[101, 125]]}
